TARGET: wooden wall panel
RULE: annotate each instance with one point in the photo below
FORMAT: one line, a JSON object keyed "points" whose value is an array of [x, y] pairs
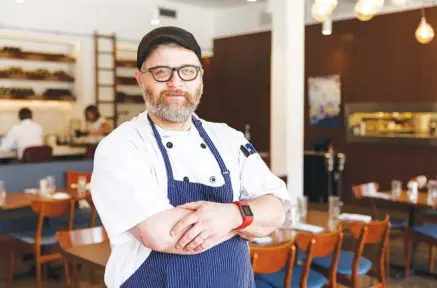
{"points": [[382, 63], [242, 84]]}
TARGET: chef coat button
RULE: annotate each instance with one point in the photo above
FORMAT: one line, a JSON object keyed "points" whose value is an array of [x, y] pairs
{"points": [[169, 145], [186, 179], [212, 179], [203, 145]]}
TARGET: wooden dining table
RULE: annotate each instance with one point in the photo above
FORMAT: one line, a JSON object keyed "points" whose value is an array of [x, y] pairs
{"points": [[21, 200], [97, 255]]}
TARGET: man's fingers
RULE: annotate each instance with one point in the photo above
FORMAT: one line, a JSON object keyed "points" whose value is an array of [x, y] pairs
{"points": [[192, 205], [183, 223], [205, 245], [197, 241], [189, 236]]}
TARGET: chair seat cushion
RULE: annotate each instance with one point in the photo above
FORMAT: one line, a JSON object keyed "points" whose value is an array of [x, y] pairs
{"points": [[345, 263], [276, 280], [260, 283], [48, 237], [398, 223], [427, 230]]}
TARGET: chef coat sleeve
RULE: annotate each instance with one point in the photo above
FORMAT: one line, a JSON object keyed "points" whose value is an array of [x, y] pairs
{"points": [[256, 179], [123, 186]]}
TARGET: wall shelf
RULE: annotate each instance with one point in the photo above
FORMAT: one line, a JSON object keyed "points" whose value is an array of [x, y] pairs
{"points": [[34, 56], [69, 98], [126, 80], [65, 78], [126, 63]]}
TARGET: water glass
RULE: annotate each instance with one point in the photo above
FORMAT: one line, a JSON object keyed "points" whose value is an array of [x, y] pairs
{"points": [[81, 185], [302, 204], [396, 189], [2, 193], [432, 192], [334, 207], [413, 192], [43, 187], [291, 217], [51, 184]]}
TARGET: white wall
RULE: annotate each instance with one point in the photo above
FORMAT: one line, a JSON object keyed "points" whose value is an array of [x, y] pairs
{"points": [[129, 19]]}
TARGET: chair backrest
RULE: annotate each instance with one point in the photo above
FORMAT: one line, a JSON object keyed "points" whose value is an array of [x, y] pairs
{"points": [[87, 236], [359, 189], [73, 176], [90, 151], [320, 245], [274, 258], [49, 208], [376, 232], [37, 154]]}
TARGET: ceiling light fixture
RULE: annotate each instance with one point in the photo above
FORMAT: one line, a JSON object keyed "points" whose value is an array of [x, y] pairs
{"points": [[327, 27], [251, 0], [19, 1], [155, 17], [322, 10], [424, 32], [399, 3]]}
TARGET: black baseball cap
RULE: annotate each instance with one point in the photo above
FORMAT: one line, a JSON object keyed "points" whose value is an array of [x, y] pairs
{"points": [[163, 35]]}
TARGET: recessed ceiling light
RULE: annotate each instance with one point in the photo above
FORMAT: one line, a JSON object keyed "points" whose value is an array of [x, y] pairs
{"points": [[251, 0], [19, 1], [155, 22]]}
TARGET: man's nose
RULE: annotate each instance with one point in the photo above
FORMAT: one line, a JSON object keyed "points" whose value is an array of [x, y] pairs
{"points": [[175, 80]]}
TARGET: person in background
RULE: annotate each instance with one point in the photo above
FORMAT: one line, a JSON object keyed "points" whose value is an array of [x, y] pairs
{"points": [[25, 134], [96, 124]]}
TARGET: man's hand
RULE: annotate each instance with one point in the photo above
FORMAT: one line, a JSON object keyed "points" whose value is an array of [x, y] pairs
{"points": [[212, 222]]}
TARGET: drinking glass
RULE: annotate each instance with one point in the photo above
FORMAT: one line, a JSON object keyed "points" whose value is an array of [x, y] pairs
{"points": [[291, 217], [413, 191], [302, 203], [432, 192], [81, 185], [396, 189], [334, 207], [2, 193], [51, 184]]}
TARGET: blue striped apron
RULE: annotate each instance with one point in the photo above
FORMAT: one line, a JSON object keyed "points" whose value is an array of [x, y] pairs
{"points": [[226, 265]]}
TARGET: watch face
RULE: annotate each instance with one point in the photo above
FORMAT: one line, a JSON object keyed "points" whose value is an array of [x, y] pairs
{"points": [[246, 210]]}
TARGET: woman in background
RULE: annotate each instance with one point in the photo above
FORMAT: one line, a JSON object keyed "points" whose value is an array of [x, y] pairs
{"points": [[96, 124]]}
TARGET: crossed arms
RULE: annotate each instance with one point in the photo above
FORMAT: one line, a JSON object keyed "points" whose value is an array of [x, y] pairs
{"points": [[196, 227]]}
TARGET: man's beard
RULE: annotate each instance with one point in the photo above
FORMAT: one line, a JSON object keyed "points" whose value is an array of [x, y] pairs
{"points": [[171, 112]]}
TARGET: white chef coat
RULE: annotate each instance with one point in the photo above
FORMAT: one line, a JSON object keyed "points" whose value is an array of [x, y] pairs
{"points": [[22, 135], [129, 180]]}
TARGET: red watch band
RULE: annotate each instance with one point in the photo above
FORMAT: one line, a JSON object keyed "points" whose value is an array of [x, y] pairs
{"points": [[246, 213]]}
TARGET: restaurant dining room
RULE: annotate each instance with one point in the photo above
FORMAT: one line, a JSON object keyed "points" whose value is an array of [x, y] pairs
{"points": [[326, 177]]}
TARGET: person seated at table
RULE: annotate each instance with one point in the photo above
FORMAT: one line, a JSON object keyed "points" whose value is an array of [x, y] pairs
{"points": [[96, 124], [26, 133]]}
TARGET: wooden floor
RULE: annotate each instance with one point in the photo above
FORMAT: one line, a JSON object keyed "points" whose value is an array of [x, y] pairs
{"points": [[25, 279]]}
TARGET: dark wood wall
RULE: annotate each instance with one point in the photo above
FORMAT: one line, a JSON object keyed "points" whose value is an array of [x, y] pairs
{"points": [[241, 86], [379, 61]]}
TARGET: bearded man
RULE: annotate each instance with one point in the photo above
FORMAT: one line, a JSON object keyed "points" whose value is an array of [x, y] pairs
{"points": [[180, 196]]}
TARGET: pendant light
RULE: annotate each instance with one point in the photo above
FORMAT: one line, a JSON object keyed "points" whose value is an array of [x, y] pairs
{"points": [[424, 32], [321, 10]]}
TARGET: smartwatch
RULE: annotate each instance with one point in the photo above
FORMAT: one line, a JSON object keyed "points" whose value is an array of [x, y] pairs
{"points": [[246, 213]]}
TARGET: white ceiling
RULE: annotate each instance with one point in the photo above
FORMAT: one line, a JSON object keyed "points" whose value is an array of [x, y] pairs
{"points": [[216, 3]]}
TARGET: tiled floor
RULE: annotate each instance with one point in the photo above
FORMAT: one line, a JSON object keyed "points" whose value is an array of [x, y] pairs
{"points": [[397, 256]]}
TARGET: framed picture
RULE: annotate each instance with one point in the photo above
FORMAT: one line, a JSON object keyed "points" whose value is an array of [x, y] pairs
{"points": [[324, 95]]}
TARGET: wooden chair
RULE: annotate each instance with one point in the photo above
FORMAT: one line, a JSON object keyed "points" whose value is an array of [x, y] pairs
{"points": [[42, 237], [312, 246], [267, 260], [72, 178], [398, 226], [37, 154], [351, 265], [416, 234], [74, 238]]}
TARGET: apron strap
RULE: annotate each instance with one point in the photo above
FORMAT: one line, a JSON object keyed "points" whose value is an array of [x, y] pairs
{"points": [[163, 151]]}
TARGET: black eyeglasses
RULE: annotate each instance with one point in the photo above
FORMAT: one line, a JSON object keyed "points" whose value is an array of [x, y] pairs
{"points": [[165, 73]]}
